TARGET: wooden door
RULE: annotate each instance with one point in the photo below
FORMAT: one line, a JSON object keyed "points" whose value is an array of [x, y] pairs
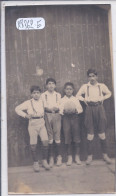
{"points": [[75, 38]]}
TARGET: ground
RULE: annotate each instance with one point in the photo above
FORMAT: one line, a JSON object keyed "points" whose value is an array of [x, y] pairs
{"points": [[97, 178]]}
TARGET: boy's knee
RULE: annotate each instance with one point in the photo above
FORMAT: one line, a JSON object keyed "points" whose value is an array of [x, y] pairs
{"points": [[45, 143], [102, 136], [33, 147], [51, 141], [90, 137], [57, 141]]}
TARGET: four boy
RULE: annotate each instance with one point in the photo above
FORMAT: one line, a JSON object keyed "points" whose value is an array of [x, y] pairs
{"points": [[45, 112]]}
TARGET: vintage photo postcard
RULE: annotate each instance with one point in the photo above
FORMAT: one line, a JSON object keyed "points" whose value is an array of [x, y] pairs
{"points": [[58, 116]]}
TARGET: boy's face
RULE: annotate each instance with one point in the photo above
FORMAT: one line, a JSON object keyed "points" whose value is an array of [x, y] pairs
{"points": [[51, 86], [36, 94], [92, 78], [69, 91]]}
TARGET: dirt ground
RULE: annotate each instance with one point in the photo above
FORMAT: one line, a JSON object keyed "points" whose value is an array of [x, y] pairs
{"points": [[97, 178]]}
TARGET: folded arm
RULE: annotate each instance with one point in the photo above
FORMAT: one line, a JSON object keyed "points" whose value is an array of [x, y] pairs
{"points": [[80, 93], [20, 109]]}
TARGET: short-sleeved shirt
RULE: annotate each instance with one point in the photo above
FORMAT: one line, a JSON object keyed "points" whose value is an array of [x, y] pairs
{"points": [[73, 100], [51, 100], [32, 107], [94, 92]]}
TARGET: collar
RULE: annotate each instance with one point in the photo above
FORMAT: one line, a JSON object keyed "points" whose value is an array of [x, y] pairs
{"points": [[68, 97], [89, 84], [35, 100], [48, 93]]}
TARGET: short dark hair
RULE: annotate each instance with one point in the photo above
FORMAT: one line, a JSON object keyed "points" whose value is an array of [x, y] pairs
{"points": [[50, 80], [91, 71], [35, 88], [69, 84]]}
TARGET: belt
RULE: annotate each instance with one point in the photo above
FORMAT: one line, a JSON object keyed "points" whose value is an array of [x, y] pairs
{"points": [[94, 103], [71, 114], [37, 117], [52, 112]]}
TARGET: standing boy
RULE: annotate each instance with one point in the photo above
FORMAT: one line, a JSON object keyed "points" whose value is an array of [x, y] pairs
{"points": [[35, 114], [95, 119], [51, 100], [70, 108]]}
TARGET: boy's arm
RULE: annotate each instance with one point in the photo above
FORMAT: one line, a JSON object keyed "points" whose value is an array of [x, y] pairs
{"points": [[20, 109], [106, 91], [44, 103], [61, 108], [80, 93], [59, 100], [79, 107], [43, 98]]}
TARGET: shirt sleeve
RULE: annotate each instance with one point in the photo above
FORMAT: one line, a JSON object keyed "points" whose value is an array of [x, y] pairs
{"points": [[42, 106], [43, 100], [20, 109], [79, 107], [106, 91], [80, 93], [59, 100]]}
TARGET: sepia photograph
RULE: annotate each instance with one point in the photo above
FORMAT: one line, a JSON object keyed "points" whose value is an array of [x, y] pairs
{"points": [[59, 98]]}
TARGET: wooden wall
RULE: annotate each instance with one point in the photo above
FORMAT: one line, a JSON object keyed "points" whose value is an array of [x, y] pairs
{"points": [[73, 35]]}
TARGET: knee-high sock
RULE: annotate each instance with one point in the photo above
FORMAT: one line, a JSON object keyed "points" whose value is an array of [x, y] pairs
{"points": [[58, 149], [69, 149], [89, 147], [45, 152], [103, 146], [77, 148], [34, 153], [50, 150]]}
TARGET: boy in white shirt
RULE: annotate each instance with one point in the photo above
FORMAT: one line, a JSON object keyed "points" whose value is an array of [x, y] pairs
{"points": [[35, 114], [51, 100], [93, 94], [69, 109]]}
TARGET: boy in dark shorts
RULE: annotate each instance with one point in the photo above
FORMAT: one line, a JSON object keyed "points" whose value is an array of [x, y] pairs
{"points": [[51, 101], [69, 109], [35, 114], [95, 118]]}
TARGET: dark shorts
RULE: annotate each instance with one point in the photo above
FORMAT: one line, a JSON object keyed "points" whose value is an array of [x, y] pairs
{"points": [[95, 119], [71, 128]]}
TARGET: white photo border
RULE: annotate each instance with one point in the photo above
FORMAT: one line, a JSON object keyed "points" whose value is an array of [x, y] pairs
{"points": [[4, 166]]}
